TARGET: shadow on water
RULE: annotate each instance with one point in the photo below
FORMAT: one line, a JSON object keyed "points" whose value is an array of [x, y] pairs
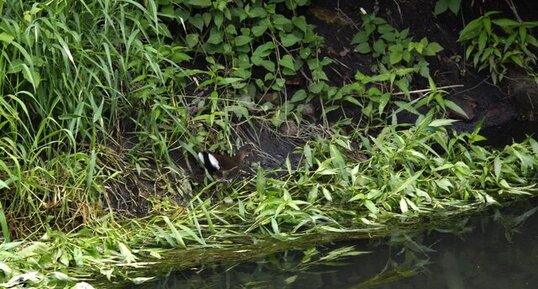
{"points": [[498, 249]]}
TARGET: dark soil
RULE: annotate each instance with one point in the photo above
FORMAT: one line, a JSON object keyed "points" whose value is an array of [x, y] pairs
{"points": [[478, 96]]}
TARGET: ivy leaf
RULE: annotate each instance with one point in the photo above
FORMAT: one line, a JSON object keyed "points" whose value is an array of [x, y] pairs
{"points": [[363, 48], [287, 61], [440, 7], [360, 37], [454, 6], [257, 12], [299, 96], [289, 40], [199, 3], [218, 19], [264, 50], [197, 21], [269, 65], [281, 22], [259, 29], [300, 22], [192, 39], [242, 40], [215, 36]]}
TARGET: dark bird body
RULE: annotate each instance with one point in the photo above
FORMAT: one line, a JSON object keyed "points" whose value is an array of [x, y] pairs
{"points": [[222, 165]]}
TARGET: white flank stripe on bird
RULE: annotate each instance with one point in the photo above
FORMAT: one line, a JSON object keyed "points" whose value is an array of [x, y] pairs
{"points": [[213, 161]]}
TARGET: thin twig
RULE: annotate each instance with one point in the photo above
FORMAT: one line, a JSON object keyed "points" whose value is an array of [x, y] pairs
{"points": [[399, 10], [514, 10], [429, 89], [348, 19]]}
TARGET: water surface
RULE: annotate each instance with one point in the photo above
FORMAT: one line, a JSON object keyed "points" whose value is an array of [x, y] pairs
{"points": [[491, 254]]}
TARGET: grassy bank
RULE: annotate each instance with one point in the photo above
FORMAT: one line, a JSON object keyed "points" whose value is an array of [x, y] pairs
{"points": [[102, 101]]}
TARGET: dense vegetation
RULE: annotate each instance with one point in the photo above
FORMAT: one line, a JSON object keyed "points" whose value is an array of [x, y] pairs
{"points": [[102, 102]]}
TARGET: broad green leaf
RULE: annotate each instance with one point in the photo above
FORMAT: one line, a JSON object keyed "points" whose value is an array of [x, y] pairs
{"points": [[300, 22], [432, 49], [380, 46], [505, 22], [192, 39], [454, 6], [313, 194], [264, 50], [534, 145], [363, 48], [6, 37], [299, 96], [395, 57], [259, 29], [440, 7], [215, 36], [471, 30], [359, 38], [371, 206], [282, 23], [456, 108], [359, 196], [199, 3], [287, 61], [242, 40], [218, 19], [444, 184], [289, 40], [257, 12], [197, 21], [442, 122]]}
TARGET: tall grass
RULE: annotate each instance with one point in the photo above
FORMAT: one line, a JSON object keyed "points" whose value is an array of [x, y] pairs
{"points": [[74, 74]]}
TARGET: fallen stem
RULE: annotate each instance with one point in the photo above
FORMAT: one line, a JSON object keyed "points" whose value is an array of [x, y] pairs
{"points": [[429, 89]]}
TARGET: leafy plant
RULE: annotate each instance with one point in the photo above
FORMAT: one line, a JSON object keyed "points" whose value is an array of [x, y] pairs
{"points": [[499, 43], [392, 48], [441, 6], [252, 48]]}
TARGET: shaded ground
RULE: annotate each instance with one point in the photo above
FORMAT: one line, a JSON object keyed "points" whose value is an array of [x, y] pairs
{"points": [[338, 21]]}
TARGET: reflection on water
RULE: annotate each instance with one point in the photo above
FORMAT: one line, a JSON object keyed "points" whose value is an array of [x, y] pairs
{"points": [[489, 256]]}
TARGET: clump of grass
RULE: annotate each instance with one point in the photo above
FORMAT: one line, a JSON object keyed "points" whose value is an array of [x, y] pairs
{"points": [[73, 73]]}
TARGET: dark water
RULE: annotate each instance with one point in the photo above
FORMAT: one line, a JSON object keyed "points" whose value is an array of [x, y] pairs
{"points": [[509, 132], [494, 251]]}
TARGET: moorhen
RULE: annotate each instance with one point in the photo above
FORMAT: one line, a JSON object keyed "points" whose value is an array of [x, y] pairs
{"points": [[222, 165]]}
